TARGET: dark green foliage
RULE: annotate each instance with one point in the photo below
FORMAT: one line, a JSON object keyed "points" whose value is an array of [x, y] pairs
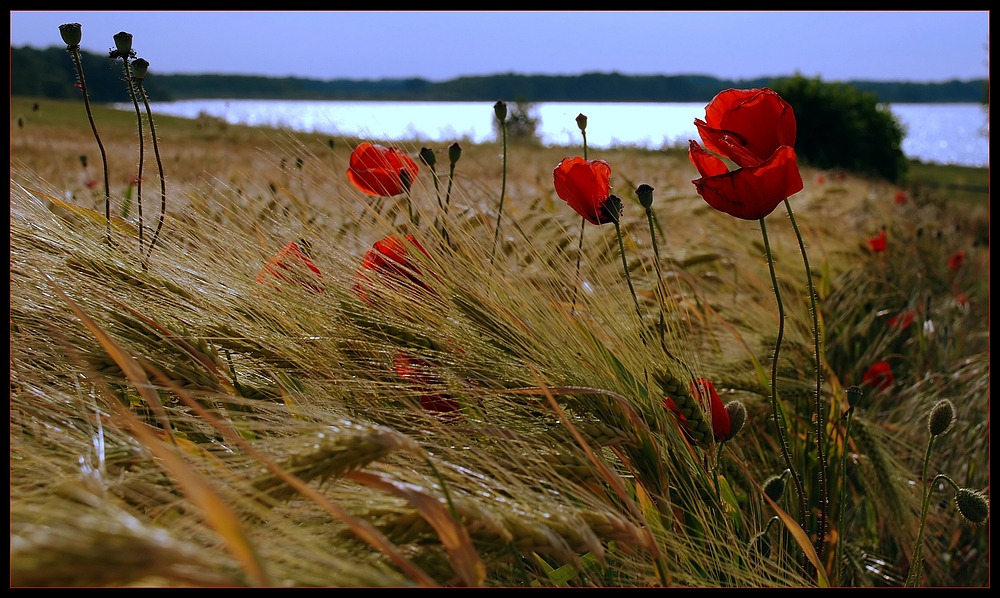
{"points": [[842, 127]]}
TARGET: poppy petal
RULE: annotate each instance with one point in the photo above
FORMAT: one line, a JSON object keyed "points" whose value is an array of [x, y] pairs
{"points": [[753, 192]]}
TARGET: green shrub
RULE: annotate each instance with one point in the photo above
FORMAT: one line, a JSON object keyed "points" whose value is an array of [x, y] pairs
{"points": [[841, 127]]}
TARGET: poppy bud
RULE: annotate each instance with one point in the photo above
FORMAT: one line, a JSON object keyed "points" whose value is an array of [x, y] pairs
{"points": [[581, 121], [737, 417], [942, 418], [71, 34], [139, 68], [774, 486], [427, 155], [83, 160], [854, 394], [974, 506], [500, 109], [455, 150], [645, 194], [123, 43]]}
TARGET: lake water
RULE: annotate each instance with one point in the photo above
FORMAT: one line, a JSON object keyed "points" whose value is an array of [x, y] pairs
{"points": [[941, 133]]}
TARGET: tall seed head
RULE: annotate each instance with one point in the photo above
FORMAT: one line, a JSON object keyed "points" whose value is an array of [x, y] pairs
{"points": [[581, 121], [71, 34], [123, 43], [500, 109], [854, 394], [645, 194], [774, 486], [942, 418], [455, 151], [139, 68], [428, 157]]}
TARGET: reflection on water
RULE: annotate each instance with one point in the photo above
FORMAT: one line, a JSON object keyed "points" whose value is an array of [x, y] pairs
{"points": [[942, 133]]}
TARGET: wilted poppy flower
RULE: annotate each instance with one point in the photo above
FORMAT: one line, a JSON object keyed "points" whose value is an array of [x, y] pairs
{"points": [[419, 372], [292, 265], [755, 128], [720, 417], [956, 260], [378, 170], [877, 243], [900, 198], [586, 186], [389, 258], [902, 320], [879, 376]]}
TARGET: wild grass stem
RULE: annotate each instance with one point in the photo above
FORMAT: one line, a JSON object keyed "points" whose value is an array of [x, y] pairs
{"points": [[139, 68]]}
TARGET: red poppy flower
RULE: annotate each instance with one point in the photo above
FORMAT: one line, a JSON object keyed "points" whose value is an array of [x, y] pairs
{"points": [[378, 170], [389, 258], [292, 265], [419, 372], [879, 376], [755, 128], [91, 184], [820, 179], [962, 300], [586, 186], [902, 320], [900, 198], [877, 243], [956, 260], [720, 417]]}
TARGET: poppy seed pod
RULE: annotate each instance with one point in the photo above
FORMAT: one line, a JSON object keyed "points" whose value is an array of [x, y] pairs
{"points": [[454, 152], [645, 194], [581, 121], [942, 418], [123, 43], [737, 417], [774, 486], [71, 34], [139, 68], [974, 506], [854, 394], [428, 157], [500, 109]]}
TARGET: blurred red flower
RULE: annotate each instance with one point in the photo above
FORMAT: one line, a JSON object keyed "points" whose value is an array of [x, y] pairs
{"points": [[389, 258], [720, 417], [878, 242], [292, 265], [586, 186], [91, 184], [378, 170], [903, 319], [419, 373], [820, 179], [755, 128], [962, 300], [879, 376], [900, 198], [956, 260]]}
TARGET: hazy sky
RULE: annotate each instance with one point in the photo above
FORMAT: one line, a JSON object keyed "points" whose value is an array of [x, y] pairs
{"points": [[836, 46]]}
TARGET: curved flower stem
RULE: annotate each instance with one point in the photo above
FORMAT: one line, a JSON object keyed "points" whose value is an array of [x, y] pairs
{"points": [[820, 427], [447, 198], [628, 277], [841, 500], [661, 291], [503, 190], [779, 426], [75, 52], [159, 167], [142, 147], [916, 560], [579, 251]]}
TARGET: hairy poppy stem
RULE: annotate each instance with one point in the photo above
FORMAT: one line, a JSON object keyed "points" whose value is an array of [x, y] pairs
{"points": [[842, 498], [628, 278], [503, 188], [142, 147], [916, 560], [778, 424], [74, 51], [159, 167], [583, 224], [820, 427]]}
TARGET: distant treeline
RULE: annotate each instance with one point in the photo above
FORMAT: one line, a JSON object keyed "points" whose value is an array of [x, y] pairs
{"points": [[50, 73]]}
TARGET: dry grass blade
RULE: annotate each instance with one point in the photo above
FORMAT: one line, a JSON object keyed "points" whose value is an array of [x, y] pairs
{"points": [[452, 533], [217, 512], [609, 477], [122, 226], [361, 528]]}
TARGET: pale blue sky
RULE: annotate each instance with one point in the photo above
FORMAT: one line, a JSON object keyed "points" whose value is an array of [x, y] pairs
{"points": [[836, 46]]}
